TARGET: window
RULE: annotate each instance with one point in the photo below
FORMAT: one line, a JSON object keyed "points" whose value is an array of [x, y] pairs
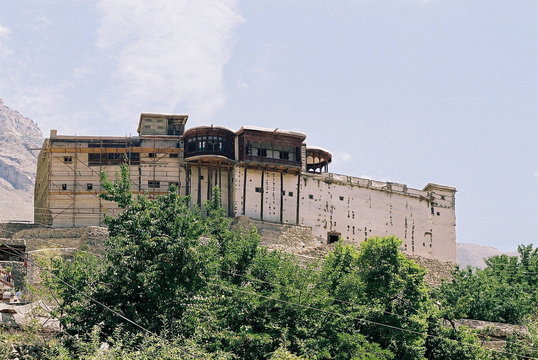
{"points": [[262, 152], [443, 197], [259, 189], [89, 186], [174, 155], [173, 183], [438, 213], [341, 198], [151, 155], [113, 158], [154, 184], [68, 159], [290, 193], [284, 155], [191, 146], [273, 154], [64, 186], [310, 196], [333, 237]]}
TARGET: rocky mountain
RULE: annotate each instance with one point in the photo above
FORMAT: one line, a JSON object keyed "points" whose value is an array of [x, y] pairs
{"points": [[18, 136], [474, 254]]}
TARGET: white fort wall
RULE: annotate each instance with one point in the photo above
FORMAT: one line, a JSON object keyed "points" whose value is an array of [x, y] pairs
{"points": [[353, 209], [266, 195], [265, 174]]}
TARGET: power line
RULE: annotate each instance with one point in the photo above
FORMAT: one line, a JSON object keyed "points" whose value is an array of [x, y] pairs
{"points": [[106, 307], [338, 300], [461, 269], [368, 321], [284, 301]]}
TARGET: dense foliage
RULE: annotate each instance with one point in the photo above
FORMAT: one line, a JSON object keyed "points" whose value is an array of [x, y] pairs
{"points": [[188, 283], [505, 291]]}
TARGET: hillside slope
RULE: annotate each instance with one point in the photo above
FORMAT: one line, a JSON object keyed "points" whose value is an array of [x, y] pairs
{"points": [[18, 135], [474, 254]]}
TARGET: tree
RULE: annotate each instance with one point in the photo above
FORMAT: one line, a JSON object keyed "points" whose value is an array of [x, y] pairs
{"points": [[506, 290], [388, 290], [185, 275]]}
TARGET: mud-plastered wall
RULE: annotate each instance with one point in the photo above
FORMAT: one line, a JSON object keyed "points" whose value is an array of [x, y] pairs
{"points": [[266, 195], [344, 208]]}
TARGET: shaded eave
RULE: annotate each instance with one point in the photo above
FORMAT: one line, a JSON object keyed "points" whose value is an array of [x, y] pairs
{"points": [[278, 131]]}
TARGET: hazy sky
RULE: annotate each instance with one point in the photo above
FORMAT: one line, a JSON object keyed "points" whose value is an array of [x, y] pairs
{"points": [[411, 91]]}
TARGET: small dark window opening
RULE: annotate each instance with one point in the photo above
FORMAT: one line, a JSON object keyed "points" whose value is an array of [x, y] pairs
{"points": [[341, 198], [259, 189], [154, 184], [12, 253], [68, 159], [283, 193], [262, 152], [438, 213], [201, 177], [290, 193], [443, 197], [284, 155], [333, 237], [174, 155], [151, 155], [89, 186], [64, 186], [310, 196]]}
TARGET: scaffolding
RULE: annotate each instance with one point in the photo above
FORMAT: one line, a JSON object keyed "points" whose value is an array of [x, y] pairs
{"points": [[69, 167]]}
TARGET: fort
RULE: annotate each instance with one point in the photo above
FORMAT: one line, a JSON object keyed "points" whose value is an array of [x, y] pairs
{"points": [[268, 175]]}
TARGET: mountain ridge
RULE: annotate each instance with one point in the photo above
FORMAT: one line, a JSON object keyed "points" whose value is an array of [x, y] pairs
{"points": [[19, 137], [474, 254]]}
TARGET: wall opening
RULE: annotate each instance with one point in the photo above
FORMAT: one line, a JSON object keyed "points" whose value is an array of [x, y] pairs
{"points": [[333, 237]]}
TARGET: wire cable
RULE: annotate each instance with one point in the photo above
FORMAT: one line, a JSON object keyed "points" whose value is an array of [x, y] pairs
{"points": [[368, 321], [185, 351]]}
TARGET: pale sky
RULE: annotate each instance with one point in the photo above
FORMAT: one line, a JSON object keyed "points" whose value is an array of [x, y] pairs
{"points": [[410, 91]]}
